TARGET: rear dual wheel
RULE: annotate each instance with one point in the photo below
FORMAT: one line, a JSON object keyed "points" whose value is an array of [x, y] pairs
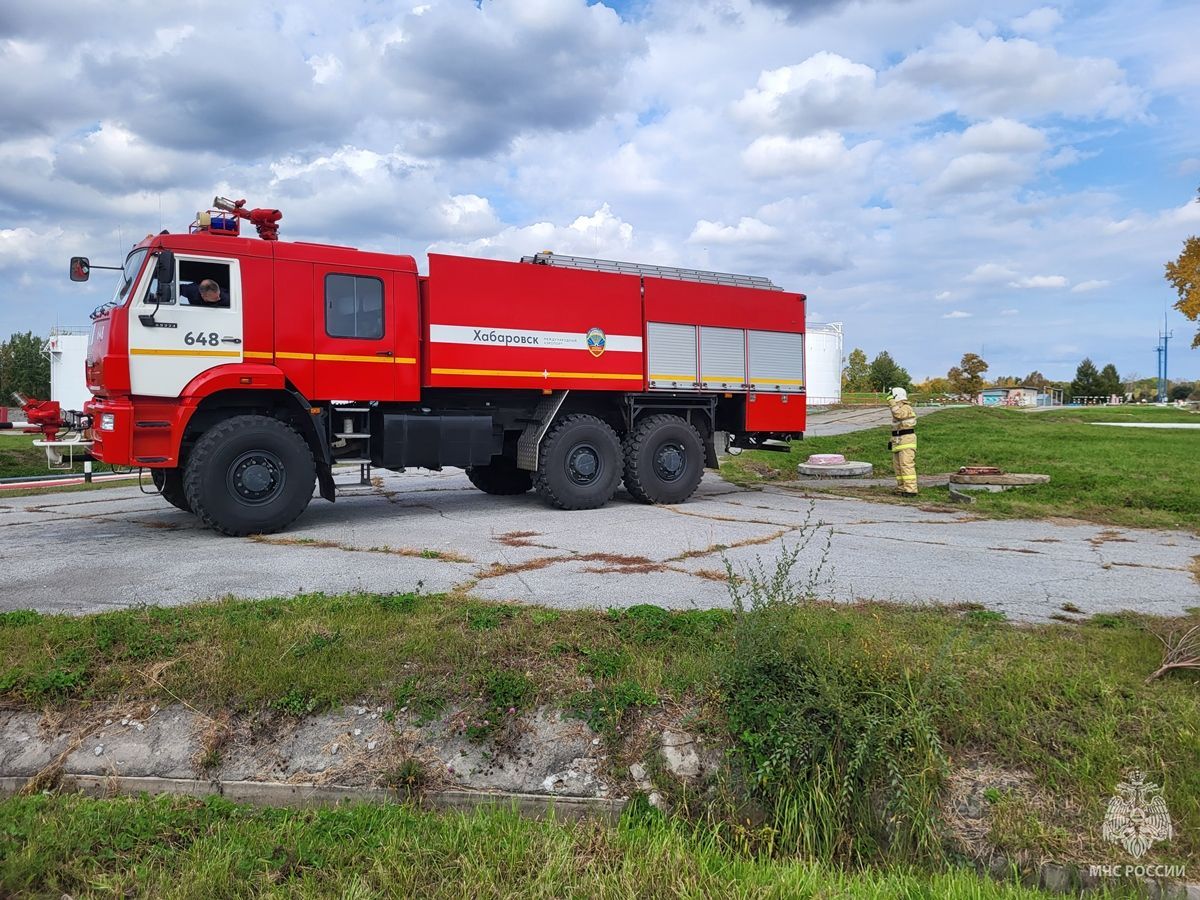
{"points": [[664, 460], [579, 466], [500, 477]]}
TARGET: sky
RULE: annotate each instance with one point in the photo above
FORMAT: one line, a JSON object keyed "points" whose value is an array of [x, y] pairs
{"points": [[942, 176]]}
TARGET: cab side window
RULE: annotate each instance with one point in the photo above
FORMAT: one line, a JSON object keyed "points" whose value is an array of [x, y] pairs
{"points": [[203, 283], [353, 306]]}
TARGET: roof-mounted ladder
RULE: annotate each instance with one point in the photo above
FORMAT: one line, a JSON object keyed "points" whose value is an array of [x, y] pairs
{"points": [[546, 258]]}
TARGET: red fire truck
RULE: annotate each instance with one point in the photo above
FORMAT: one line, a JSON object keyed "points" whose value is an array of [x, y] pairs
{"points": [[240, 371]]}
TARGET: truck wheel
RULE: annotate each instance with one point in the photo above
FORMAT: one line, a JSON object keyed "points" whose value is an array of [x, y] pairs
{"points": [[500, 477], [580, 463], [170, 484], [664, 460], [249, 475]]}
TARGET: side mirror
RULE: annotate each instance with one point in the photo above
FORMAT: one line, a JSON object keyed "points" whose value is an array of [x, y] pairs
{"points": [[164, 273], [81, 268]]}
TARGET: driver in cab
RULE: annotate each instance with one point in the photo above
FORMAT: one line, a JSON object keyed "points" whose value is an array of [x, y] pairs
{"points": [[206, 293]]}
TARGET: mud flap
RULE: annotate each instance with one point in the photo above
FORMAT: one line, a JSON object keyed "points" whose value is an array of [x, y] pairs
{"points": [[325, 481]]}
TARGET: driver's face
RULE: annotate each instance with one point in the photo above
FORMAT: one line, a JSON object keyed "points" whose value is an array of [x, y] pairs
{"points": [[210, 295]]}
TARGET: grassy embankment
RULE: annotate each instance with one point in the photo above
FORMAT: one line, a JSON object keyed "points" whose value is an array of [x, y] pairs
{"points": [[827, 708], [1122, 476]]}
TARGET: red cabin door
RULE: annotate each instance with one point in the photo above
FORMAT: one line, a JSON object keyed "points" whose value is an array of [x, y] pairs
{"points": [[354, 333]]}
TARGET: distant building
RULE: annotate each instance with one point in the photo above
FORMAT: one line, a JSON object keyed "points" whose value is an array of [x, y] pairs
{"points": [[67, 349], [1023, 395]]}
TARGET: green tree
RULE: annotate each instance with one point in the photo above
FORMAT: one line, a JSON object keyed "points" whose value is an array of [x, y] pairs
{"points": [[967, 376], [933, 385], [857, 374], [1184, 275], [1110, 381], [885, 373], [1181, 391], [23, 367], [1036, 379], [1087, 381]]}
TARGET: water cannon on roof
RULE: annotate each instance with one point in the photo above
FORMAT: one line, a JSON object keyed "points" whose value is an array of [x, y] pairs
{"points": [[226, 215]]}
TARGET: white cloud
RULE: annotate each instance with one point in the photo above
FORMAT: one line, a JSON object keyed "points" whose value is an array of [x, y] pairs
{"points": [[989, 273], [1040, 281], [1091, 285], [1038, 22], [18, 245], [1010, 312], [817, 154], [1002, 136], [747, 231], [601, 234], [986, 75], [468, 214], [956, 314], [825, 92], [943, 295]]}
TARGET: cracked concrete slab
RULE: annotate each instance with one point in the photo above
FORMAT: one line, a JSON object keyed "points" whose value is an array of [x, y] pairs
{"points": [[79, 552]]}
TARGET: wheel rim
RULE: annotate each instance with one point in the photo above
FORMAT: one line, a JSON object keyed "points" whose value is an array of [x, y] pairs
{"points": [[256, 477], [670, 461], [584, 464]]}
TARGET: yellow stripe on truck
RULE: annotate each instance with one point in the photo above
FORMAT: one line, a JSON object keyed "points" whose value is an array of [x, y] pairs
{"points": [[334, 357], [148, 351]]}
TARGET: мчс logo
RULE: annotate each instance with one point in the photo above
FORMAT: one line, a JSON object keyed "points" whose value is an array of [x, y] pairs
{"points": [[1137, 815], [596, 341]]}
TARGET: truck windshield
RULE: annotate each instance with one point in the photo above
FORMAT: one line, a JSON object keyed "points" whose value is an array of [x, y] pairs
{"points": [[133, 265]]}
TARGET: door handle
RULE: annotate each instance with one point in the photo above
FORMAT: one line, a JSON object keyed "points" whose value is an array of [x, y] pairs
{"points": [[384, 353], [231, 340]]}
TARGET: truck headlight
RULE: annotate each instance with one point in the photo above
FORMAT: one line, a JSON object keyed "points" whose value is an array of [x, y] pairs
{"points": [[108, 421]]}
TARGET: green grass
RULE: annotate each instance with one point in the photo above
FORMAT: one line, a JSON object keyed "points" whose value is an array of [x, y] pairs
{"points": [[182, 848], [1066, 703], [309, 652], [1120, 476], [19, 457]]}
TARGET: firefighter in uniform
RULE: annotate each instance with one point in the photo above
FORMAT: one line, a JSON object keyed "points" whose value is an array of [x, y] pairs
{"points": [[904, 441]]}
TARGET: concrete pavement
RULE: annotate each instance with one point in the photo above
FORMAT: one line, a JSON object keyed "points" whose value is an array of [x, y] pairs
{"points": [[84, 552]]}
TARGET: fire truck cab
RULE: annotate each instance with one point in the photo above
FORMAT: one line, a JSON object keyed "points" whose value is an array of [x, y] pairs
{"points": [[240, 370]]}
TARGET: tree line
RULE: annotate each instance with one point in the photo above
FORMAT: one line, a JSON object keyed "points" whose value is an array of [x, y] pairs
{"points": [[968, 378], [24, 367]]}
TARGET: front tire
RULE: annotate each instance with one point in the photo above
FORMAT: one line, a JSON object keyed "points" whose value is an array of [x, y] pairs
{"points": [[664, 460], [579, 466], [500, 477], [249, 475], [170, 484]]}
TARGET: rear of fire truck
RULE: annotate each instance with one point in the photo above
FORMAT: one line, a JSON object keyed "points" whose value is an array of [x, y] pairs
{"points": [[564, 375]]}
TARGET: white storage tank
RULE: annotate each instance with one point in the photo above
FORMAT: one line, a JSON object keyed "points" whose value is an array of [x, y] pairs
{"points": [[67, 349], [823, 357]]}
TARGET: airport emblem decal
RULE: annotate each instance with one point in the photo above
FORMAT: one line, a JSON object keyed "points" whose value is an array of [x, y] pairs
{"points": [[596, 341]]}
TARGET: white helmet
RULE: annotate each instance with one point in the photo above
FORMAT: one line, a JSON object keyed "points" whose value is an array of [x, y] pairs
{"points": [[899, 394]]}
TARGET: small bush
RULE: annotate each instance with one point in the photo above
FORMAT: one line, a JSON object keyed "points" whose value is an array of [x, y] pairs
{"points": [[604, 708], [17, 617], [842, 752], [603, 663], [300, 703], [984, 616], [505, 689], [397, 602], [485, 618]]}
